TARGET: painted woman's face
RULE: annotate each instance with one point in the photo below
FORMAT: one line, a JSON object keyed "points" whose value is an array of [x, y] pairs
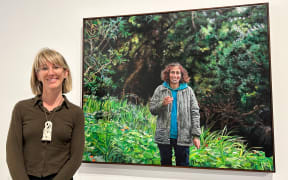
{"points": [[175, 75]]}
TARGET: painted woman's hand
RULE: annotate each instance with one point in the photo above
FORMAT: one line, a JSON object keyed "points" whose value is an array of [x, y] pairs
{"points": [[167, 100], [196, 142]]}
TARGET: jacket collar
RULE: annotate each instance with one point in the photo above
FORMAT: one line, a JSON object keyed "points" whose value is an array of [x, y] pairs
{"points": [[38, 100], [181, 86]]}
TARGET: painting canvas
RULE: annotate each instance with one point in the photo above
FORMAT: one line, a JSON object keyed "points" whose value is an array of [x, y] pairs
{"points": [[226, 52]]}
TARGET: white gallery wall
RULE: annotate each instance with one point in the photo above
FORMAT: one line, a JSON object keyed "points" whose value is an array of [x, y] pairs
{"points": [[29, 25]]}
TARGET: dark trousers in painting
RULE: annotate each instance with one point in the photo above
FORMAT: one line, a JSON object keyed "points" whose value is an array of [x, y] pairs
{"points": [[181, 153], [44, 178]]}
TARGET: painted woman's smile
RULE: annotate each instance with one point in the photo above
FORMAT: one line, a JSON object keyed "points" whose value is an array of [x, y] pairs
{"points": [[175, 75]]}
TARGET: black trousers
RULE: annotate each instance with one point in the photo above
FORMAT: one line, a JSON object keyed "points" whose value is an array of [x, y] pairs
{"points": [[50, 177], [181, 153]]}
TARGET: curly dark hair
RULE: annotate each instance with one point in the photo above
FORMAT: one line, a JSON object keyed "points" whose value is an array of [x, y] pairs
{"points": [[184, 74]]}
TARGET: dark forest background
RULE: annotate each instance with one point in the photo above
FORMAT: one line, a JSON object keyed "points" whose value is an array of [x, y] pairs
{"points": [[225, 51]]}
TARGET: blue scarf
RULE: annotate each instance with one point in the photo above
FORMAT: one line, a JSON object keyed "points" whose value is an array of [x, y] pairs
{"points": [[173, 122]]}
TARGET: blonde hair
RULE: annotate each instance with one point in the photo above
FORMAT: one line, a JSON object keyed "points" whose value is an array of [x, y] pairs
{"points": [[49, 55]]}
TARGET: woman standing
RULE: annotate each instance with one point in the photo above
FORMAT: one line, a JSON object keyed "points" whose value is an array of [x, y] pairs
{"points": [[178, 118], [46, 134]]}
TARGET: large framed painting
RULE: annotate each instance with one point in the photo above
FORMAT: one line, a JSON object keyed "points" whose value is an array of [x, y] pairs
{"points": [[226, 52]]}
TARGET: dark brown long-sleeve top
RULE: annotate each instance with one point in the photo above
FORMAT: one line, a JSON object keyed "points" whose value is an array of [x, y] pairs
{"points": [[28, 155]]}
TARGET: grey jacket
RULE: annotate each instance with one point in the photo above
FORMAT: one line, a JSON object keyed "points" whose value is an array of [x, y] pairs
{"points": [[188, 117]]}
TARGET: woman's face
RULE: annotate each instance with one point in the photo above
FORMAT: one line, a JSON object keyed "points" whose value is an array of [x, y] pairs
{"points": [[51, 76], [175, 75]]}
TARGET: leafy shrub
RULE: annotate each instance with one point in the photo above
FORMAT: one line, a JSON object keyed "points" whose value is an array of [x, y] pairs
{"points": [[117, 131]]}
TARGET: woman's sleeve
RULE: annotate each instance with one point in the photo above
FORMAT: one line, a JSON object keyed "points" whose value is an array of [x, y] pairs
{"points": [[76, 150], [196, 130], [14, 147], [155, 104]]}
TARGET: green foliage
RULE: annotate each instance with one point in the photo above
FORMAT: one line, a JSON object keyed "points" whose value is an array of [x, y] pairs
{"points": [[117, 131], [100, 54], [238, 61], [221, 150]]}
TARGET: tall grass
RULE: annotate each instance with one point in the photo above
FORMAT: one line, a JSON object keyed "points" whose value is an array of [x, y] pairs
{"points": [[221, 150], [119, 132]]}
